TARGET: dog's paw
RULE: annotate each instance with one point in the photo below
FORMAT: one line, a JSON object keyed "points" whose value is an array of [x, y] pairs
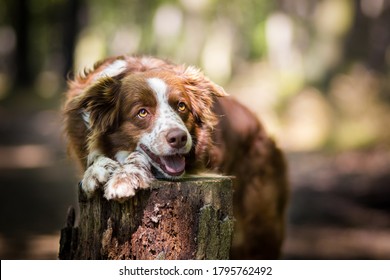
{"points": [[98, 174], [134, 174]]}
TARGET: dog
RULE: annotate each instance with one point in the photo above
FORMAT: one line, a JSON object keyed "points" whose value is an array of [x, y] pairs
{"points": [[132, 119]]}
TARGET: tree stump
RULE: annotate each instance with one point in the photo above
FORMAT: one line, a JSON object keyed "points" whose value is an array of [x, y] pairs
{"points": [[187, 219]]}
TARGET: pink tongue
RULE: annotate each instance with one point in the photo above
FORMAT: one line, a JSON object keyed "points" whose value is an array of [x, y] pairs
{"points": [[174, 164]]}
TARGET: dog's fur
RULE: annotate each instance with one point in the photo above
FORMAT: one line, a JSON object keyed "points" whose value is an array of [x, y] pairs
{"points": [[132, 119]]}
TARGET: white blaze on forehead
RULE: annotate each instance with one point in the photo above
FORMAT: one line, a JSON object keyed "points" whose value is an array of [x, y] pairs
{"points": [[167, 119], [160, 88], [113, 69]]}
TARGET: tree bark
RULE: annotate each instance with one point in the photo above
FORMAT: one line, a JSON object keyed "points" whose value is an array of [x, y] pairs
{"points": [[188, 219]]}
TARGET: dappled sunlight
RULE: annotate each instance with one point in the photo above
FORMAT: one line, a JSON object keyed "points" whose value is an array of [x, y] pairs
{"points": [[35, 247], [372, 8], [257, 88], [189, 48], [90, 48], [333, 18], [43, 246], [197, 6], [25, 156], [216, 61], [360, 112], [125, 40], [167, 25], [279, 36], [307, 121]]}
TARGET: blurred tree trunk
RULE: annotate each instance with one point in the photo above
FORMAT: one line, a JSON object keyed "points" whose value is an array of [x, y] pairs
{"points": [[74, 17], [369, 38], [62, 21], [21, 18]]}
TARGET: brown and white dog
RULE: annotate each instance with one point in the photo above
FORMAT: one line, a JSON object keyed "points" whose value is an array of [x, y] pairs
{"points": [[130, 120]]}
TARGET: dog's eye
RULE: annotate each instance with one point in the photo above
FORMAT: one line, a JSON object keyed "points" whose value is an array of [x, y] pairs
{"points": [[181, 107], [142, 113]]}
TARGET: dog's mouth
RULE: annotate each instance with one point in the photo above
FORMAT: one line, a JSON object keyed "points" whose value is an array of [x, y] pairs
{"points": [[172, 165]]}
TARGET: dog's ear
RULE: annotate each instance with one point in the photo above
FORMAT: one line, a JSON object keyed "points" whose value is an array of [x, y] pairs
{"points": [[202, 92], [100, 104]]}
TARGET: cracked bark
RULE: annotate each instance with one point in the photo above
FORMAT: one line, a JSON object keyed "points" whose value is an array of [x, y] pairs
{"points": [[188, 219]]}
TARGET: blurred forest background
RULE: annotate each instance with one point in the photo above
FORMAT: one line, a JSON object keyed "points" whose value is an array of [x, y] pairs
{"points": [[317, 72]]}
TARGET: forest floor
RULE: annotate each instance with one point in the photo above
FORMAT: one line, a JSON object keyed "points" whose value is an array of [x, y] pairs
{"points": [[339, 206]]}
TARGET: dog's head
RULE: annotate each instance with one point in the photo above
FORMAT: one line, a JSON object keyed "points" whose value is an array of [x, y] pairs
{"points": [[165, 112]]}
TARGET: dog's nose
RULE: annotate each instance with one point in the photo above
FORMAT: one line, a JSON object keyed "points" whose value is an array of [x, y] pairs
{"points": [[177, 138]]}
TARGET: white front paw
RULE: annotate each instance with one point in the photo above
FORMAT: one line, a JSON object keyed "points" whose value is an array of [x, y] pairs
{"points": [[98, 174], [133, 175]]}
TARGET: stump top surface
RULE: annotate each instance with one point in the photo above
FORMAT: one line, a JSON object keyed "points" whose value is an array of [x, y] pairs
{"points": [[198, 178]]}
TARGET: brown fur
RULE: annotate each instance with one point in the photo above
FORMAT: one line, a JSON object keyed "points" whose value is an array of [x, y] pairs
{"points": [[243, 149], [228, 139]]}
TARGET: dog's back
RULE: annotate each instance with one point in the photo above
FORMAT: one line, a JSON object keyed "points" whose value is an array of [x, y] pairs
{"points": [[243, 149]]}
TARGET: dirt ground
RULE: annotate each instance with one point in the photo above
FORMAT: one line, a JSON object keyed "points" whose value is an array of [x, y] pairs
{"points": [[339, 207]]}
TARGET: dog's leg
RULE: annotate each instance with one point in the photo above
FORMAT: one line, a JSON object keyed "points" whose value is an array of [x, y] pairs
{"points": [[134, 173], [98, 173]]}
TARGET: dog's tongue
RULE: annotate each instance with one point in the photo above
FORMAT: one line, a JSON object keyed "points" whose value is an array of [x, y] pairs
{"points": [[174, 164]]}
